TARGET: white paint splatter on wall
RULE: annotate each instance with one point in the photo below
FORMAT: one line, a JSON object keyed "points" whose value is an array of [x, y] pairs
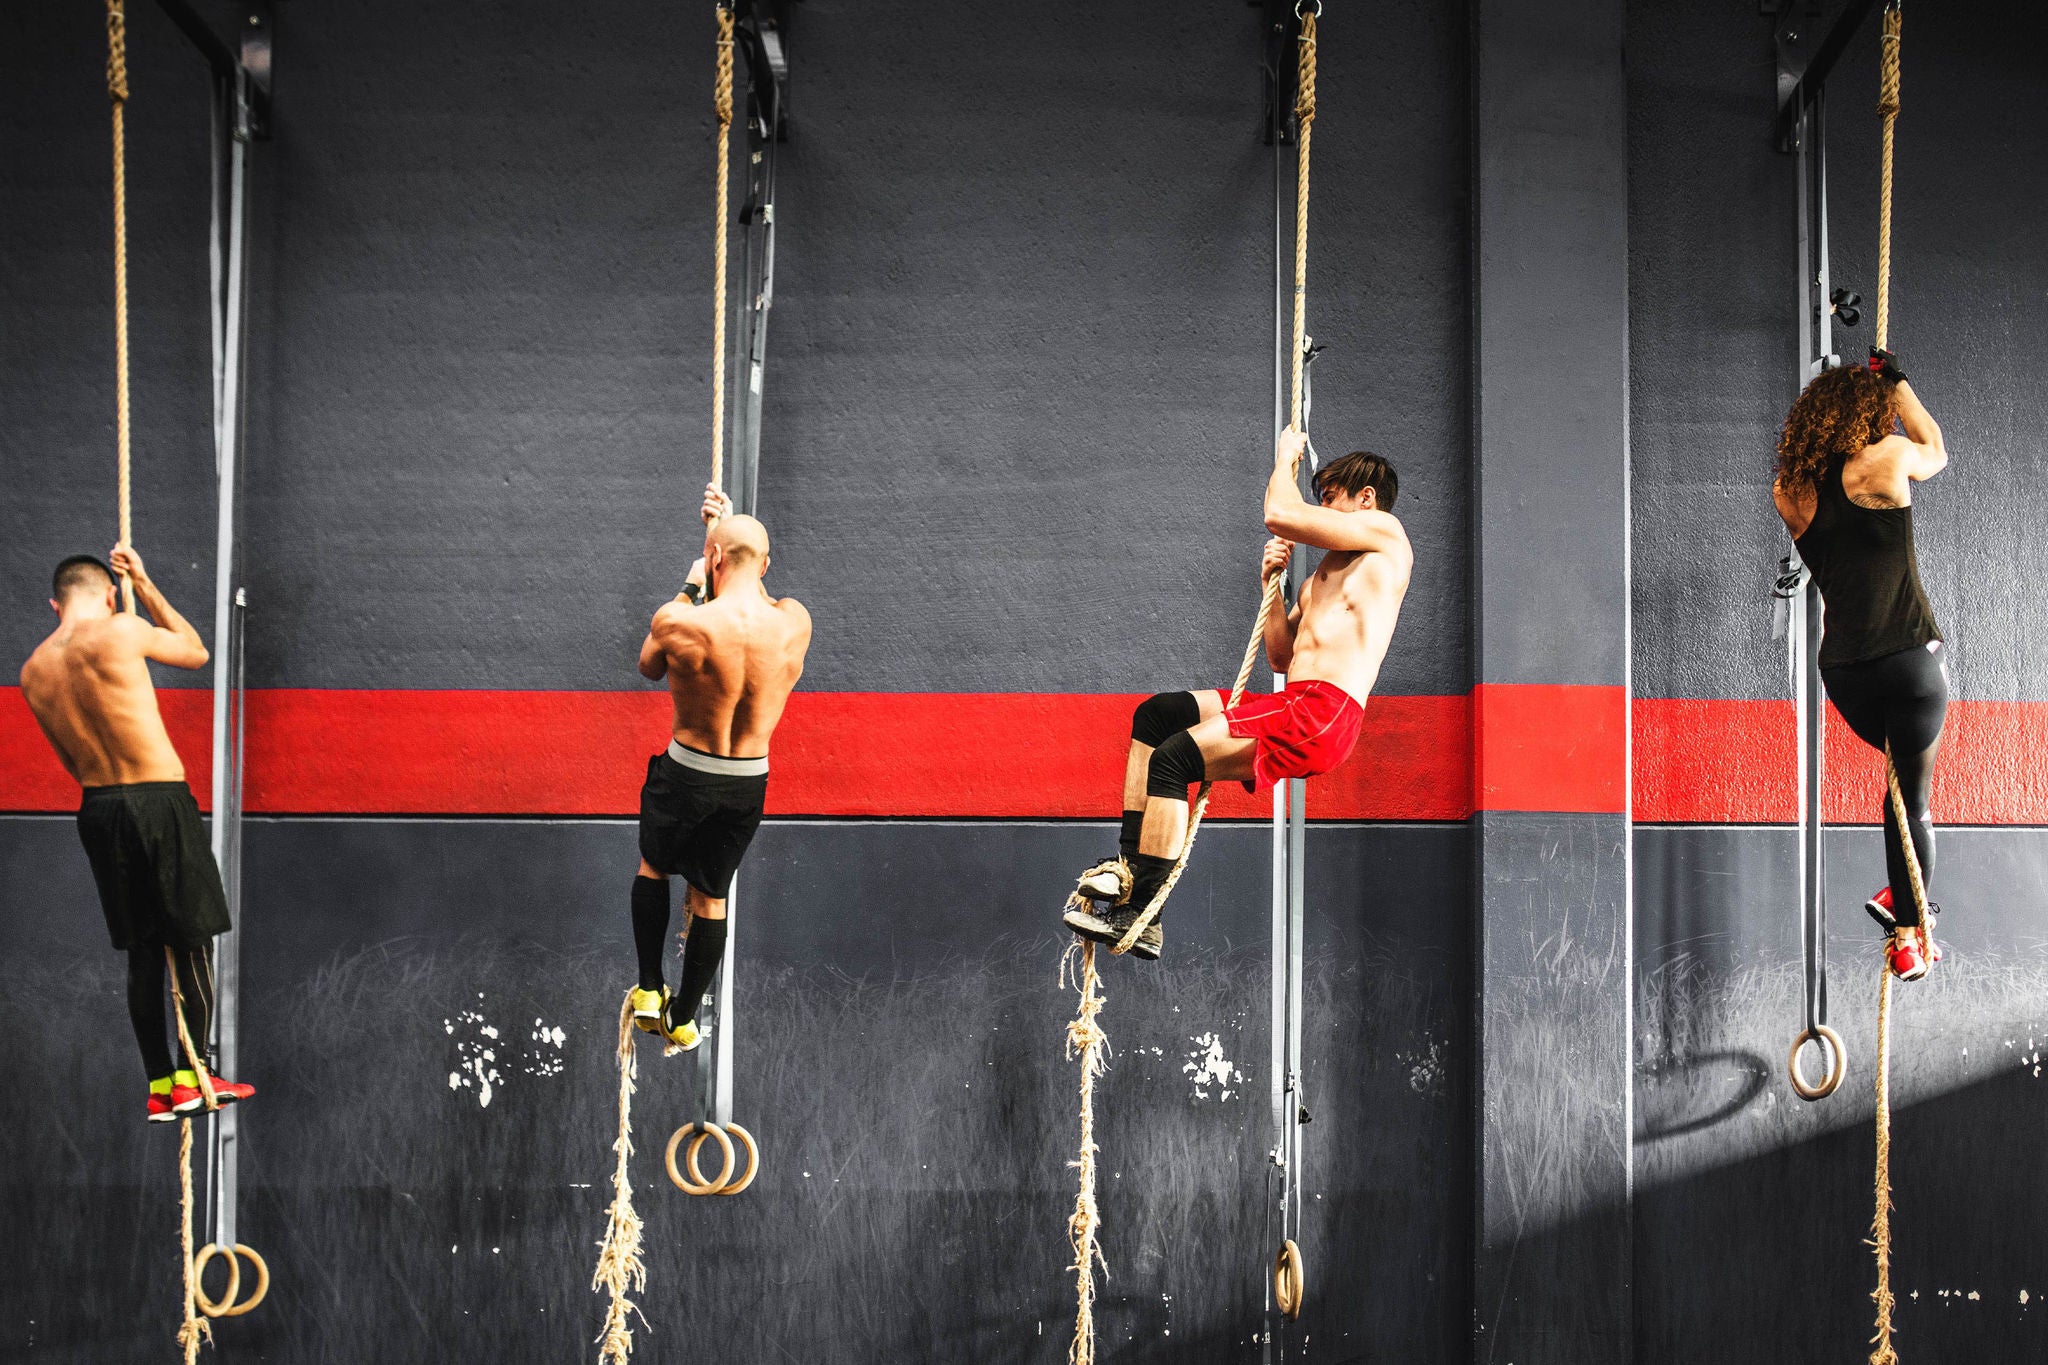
{"points": [[1211, 1069], [477, 1063]]}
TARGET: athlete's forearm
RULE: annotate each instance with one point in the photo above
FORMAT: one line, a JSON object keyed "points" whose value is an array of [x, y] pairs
{"points": [[1921, 428], [1283, 491], [1280, 637]]}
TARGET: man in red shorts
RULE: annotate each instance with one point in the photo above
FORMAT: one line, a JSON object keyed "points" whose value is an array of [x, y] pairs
{"points": [[1329, 647]]}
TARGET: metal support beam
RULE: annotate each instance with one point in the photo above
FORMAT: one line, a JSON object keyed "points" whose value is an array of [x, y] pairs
{"points": [[1807, 140], [1287, 1110], [761, 32], [228, 306], [240, 115], [1803, 78], [245, 53]]}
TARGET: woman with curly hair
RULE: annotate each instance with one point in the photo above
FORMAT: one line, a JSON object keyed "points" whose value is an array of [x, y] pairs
{"points": [[1844, 488]]}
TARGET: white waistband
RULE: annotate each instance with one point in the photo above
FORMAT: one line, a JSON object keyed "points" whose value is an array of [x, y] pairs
{"points": [[714, 763]]}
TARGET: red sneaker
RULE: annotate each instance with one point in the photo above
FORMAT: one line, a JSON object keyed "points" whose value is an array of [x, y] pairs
{"points": [[231, 1092], [181, 1102], [1880, 908], [1912, 953]]}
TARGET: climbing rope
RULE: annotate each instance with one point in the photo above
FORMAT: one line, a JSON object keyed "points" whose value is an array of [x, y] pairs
{"points": [[194, 1328], [1085, 1036], [1086, 1040], [620, 1270], [1881, 1221], [1305, 120], [1888, 107], [117, 95], [619, 1267], [722, 103]]}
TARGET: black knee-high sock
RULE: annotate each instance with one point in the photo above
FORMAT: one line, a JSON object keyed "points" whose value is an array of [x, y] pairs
{"points": [[703, 949], [1148, 875], [650, 927], [1127, 838], [195, 985], [146, 1008]]}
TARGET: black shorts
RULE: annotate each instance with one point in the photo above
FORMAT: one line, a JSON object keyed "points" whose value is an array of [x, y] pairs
{"points": [[157, 878], [697, 825]]}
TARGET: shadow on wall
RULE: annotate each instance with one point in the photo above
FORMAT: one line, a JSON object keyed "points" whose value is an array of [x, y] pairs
{"points": [[1752, 1205]]}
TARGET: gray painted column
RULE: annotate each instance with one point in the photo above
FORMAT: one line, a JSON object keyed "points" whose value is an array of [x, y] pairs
{"points": [[1550, 709]]}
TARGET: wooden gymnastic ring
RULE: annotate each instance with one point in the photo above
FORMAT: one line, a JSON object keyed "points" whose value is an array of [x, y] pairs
{"points": [[1838, 1066], [702, 1186], [753, 1159], [215, 1308], [1289, 1280], [248, 1253]]}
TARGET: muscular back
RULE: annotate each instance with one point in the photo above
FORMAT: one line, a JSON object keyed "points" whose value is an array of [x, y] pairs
{"points": [[1346, 616], [731, 666], [90, 690]]}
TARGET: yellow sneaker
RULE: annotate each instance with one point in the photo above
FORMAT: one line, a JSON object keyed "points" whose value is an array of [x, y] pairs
{"points": [[647, 1009], [684, 1035]]}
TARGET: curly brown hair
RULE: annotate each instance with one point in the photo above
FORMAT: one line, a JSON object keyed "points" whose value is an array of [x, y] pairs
{"points": [[1842, 411]]}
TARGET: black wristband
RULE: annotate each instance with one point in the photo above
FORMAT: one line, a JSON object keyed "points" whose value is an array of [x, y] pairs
{"points": [[695, 592]]}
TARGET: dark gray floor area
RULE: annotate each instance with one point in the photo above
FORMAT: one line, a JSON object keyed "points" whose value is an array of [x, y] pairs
{"points": [[901, 1062]]}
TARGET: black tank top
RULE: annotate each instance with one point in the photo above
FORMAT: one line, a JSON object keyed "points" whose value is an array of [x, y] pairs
{"points": [[1862, 558]]}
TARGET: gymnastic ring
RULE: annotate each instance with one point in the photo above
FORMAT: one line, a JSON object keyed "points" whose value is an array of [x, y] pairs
{"points": [[1301, 5], [1838, 1064], [211, 1307], [248, 1253], [753, 1159], [702, 1186], [1289, 1280]]}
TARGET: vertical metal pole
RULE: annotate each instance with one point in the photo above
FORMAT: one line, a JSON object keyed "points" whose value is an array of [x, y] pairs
{"points": [[1816, 347], [228, 305]]}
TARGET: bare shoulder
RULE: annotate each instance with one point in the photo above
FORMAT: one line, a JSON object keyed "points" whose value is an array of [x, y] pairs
{"points": [[798, 614], [1894, 450], [677, 623]]}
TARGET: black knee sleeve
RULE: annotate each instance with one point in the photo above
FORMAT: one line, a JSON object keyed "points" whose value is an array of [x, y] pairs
{"points": [[1160, 717], [1176, 765]]}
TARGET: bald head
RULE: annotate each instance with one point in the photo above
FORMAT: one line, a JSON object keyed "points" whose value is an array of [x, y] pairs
{"points": [[742, 540]]}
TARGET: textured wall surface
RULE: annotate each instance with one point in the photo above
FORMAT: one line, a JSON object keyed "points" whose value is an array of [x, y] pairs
{"points": [[426, 1167], [1714, 329], [1746, 1196], [1017, 420], [1019, 416]]}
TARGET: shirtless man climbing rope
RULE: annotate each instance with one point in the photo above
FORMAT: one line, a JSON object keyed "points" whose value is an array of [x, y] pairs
{"points": [[1844, 488], [731, 654], [90, 690], [1329, 646]]}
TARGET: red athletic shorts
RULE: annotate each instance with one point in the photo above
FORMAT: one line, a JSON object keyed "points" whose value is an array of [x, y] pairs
{"points": [[1302, 732]]}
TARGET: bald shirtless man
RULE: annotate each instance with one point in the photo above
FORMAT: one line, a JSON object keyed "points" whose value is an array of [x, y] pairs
{"points": [[731, 654], [90, 690], [1329, 647]]}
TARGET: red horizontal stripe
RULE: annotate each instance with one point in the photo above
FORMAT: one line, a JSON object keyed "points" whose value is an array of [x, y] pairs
{"points": [[1550, 748], [1024, 756], [1713, 762], [1015, 755]]}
